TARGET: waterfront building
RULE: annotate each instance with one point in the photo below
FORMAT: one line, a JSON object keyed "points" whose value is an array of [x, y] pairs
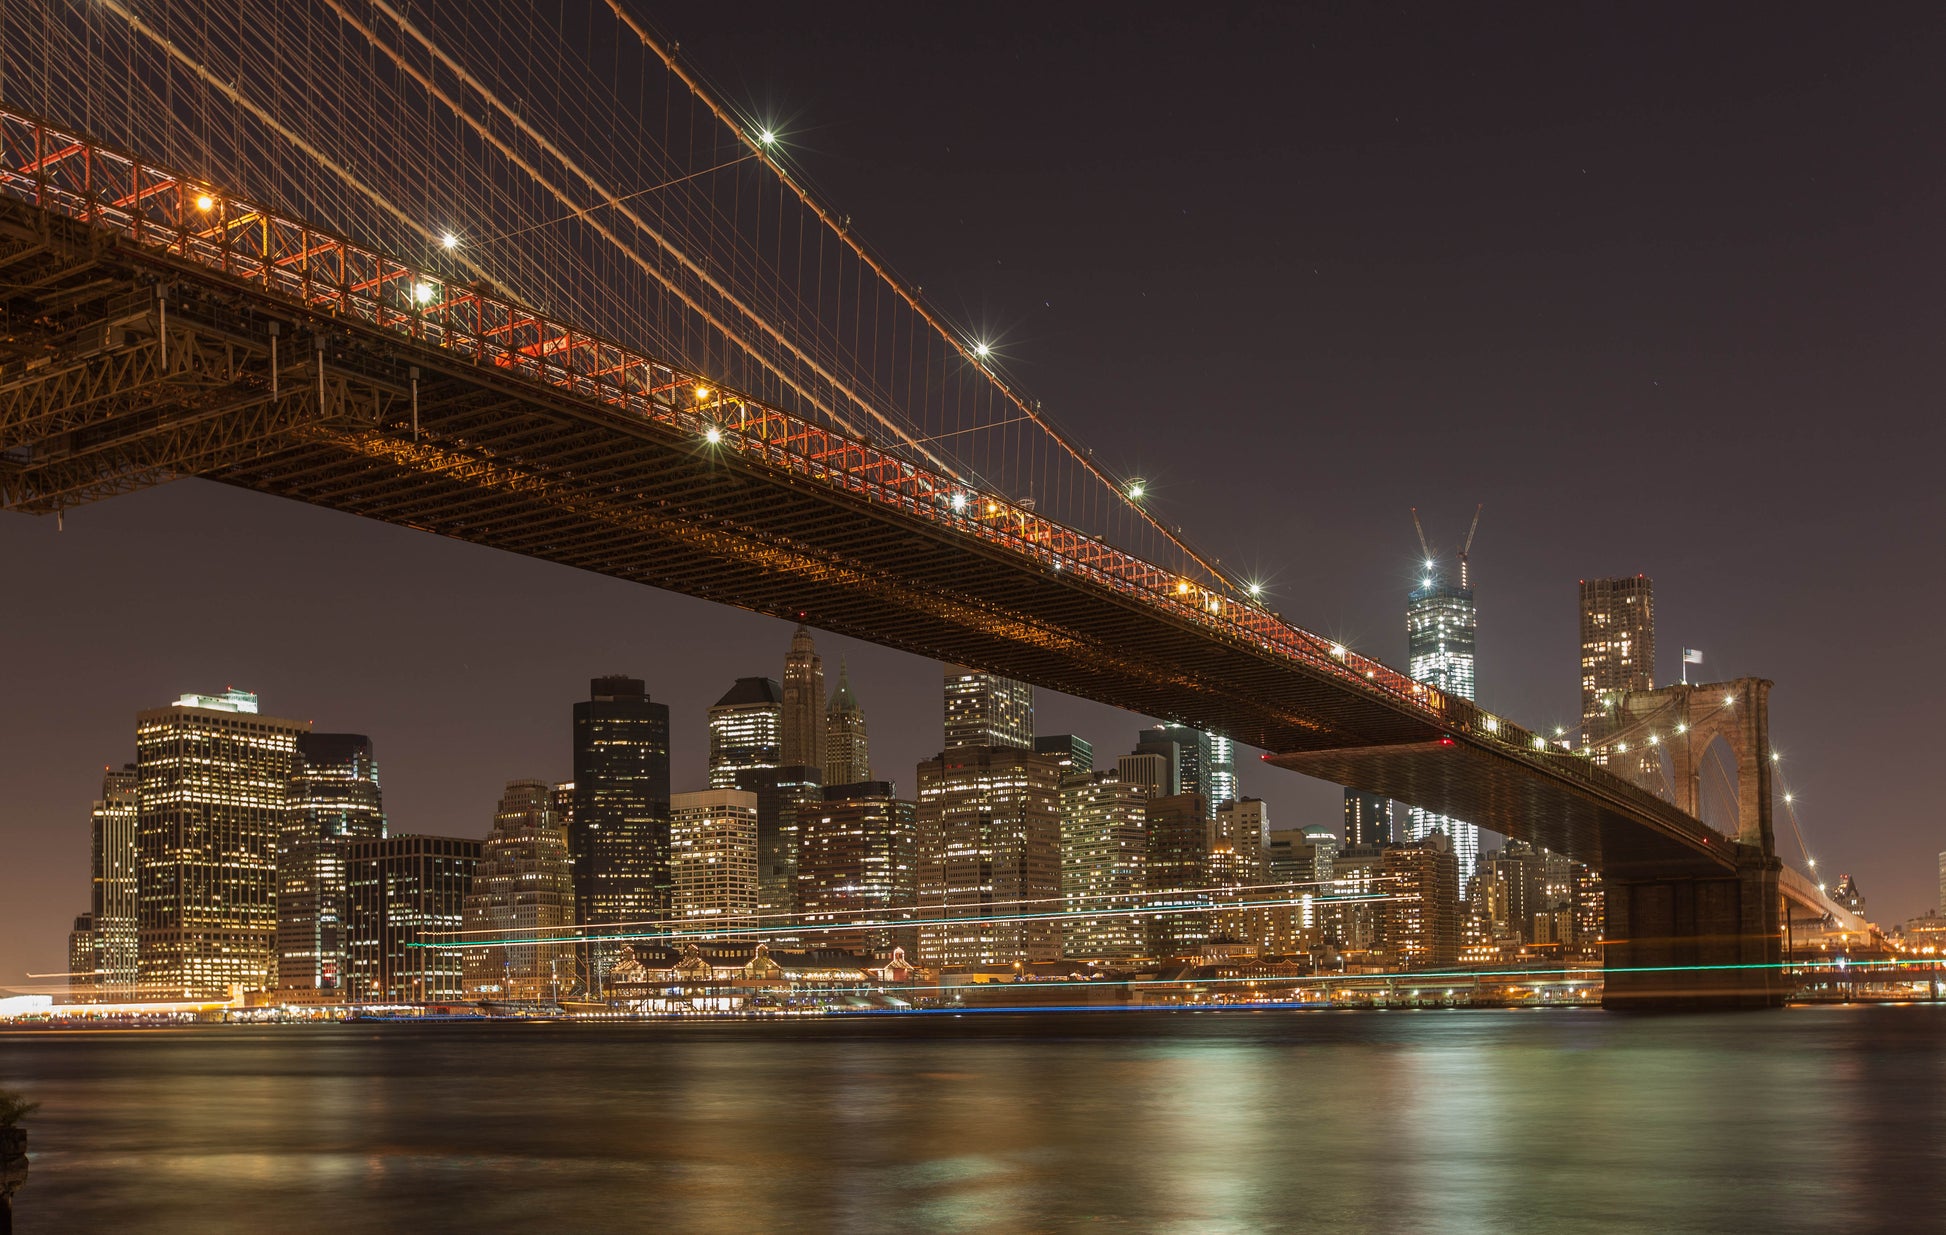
{"points": [[616, 816], [335, 799], [84, 972], [1179, 874], [803, 735], [787, 796], [746, 730], [1617, 650], [1104, 864], [1847, 896], [985, 709], [858, 863], [1368, 819], [989, 827], [214, 790], [713, 836], [847, 751], [1071, 751], [112, 899], [518, 914], [404, 894], [1442, 629], [1421, 921]]}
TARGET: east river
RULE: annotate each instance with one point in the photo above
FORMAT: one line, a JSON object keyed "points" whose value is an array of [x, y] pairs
{"points": [[1812, 1119]]}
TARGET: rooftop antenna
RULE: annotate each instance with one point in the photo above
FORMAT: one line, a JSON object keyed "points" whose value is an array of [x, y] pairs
{"points": [[1465, 580]]}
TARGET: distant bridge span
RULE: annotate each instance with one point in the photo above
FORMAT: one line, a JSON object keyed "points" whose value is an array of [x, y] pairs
{"points": [[155, 327]]}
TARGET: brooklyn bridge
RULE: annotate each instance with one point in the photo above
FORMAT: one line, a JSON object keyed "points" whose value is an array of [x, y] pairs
{"points": [[424, 274]]}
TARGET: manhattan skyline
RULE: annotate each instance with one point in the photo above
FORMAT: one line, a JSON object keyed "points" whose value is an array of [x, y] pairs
{"points": [[1729, 402]]}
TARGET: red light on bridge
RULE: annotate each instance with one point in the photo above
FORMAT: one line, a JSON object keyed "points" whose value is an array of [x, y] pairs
{"points": [[1445, 741]]}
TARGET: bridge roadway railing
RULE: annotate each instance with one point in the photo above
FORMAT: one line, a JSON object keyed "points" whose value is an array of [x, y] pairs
{"points": [[198, 222]]}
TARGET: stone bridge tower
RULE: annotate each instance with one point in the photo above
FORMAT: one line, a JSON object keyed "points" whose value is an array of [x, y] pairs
{"points": [[1697, 933]]}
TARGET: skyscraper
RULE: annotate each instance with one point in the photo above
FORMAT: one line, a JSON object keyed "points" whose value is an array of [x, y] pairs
{"points": [[215, 798], [985, 709], [335, 799], [403, 893], [1104, 864], [989, 822], [84, 978], [746, 730], [1152, 769], [1441, 631], [847, 753], [1205, 763], [804, 739], [713, 838], [518, 914], [1421, 920], [1159, 743], [787, 796], [1236, 863], [1178, 870], [858, 862], [618, 827], [1368, 819], [112, 882], [1617, 654], [1074, 753]]}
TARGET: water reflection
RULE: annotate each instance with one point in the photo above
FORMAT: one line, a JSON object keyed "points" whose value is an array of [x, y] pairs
{"points": [[1803, 1120]]}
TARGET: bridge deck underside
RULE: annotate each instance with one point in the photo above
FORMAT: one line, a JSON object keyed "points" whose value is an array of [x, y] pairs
{"points": [[1486, 788], [502, 461]]}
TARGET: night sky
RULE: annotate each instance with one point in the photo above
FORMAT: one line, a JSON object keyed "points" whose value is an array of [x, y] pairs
{"points": [[1662, 287]]}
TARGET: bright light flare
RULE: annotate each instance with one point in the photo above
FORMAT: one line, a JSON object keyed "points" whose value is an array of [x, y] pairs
{"points": [[712, 435], [767, 137], [959, 501], [1136, 489], [449, 241], [703, 392], [204, 201], [424, 292], [981, 350]]}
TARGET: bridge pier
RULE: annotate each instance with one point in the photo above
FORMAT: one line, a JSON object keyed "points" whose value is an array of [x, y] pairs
{"points": [[1693, 939]]}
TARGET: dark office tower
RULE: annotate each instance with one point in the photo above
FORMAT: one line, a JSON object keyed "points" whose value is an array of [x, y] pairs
{"points": [[335, 800], [989, 824], [406, 893], [746, 730], [618, 825], [1074, 754], [786, 797], [1368, 819], [858, 863], [1205, 763], [985, 709], [518, 914], [847, 753], [215, 792], [1179, 874], [1617, 649], [803, 738], [112, 883]]}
